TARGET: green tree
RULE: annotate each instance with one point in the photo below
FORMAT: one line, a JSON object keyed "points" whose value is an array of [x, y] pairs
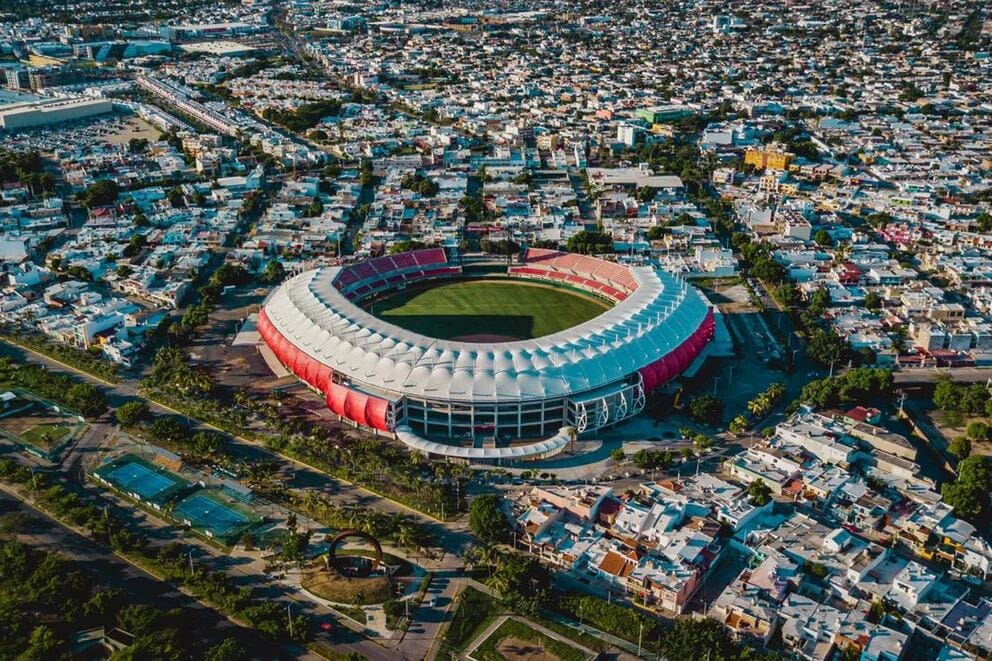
{"points": [[486, 519], [42, 645], [168, 429], [590, 243], [522, 582], [960, 447], [826, 347], [87, 399], [273, 273], [739, 425], [227, 650], [131, 413], [969, 495], [759, 493], [822, 238], [206, 443], [694, 640], [100, 193], [707, 409], [978, 431]]}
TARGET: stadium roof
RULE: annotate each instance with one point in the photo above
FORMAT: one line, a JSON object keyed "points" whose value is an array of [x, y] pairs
{"points": [[319, 320], [546, 447]]}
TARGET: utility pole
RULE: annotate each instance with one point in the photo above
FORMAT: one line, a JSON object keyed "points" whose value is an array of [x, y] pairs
{"points": [[640, 633], [191, 572], [289, 614]]}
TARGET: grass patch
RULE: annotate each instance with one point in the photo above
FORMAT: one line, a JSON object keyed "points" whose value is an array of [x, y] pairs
{"points": [[476, 610], [332, 586], [514, 310], [584, 639], [508, 636], [353, 612], [46, 436]]}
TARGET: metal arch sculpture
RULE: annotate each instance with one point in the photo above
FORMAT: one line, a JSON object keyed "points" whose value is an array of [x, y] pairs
{"points": [[345, 534]]}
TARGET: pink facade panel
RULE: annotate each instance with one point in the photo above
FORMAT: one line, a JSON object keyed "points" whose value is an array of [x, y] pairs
{"points": [[354, 406], [676, 361]]}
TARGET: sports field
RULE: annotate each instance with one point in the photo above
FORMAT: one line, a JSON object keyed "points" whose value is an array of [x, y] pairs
{"points": [[207, 511], [133, 475], [487, 311]]}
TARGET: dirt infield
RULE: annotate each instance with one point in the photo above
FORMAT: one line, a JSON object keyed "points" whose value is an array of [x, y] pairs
{"points": [[483, 338]]}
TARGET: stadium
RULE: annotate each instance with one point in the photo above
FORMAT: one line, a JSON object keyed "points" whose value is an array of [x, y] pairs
{"points": [[482, 386]]}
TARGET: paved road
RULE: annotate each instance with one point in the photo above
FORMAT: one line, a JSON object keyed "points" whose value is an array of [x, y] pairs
{"points": [[428, 621], [909, 375], [112, 571], [452, 537]]}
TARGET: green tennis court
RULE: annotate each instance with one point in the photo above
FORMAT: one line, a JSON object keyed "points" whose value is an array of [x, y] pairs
{"points": [[206, 511], [136, 477]]}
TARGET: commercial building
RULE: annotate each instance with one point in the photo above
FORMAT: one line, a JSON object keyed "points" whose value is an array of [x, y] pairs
{"points": [[41, 113]]}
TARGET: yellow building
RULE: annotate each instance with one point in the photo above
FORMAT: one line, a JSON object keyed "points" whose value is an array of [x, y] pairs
{"points": [[772, 157]]}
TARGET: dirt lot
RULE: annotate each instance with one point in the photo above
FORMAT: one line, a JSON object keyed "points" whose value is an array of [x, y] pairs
{"points": [[132, 127], [514, 649], [950, 429], [38, 425]]}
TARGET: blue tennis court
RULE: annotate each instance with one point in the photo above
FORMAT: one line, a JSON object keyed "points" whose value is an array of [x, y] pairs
{"points": [[207, 512], [135, 477]]}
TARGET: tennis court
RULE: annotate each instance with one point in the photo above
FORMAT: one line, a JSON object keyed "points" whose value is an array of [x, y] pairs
{"points": [[134, 476], [207, 511]]}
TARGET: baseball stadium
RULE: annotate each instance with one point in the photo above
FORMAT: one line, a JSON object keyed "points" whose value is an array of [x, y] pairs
{"points": [[486, 370]]}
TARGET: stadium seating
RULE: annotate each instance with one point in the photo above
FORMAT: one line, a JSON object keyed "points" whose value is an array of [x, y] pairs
{"points": [[363, 279], [581, 271]]}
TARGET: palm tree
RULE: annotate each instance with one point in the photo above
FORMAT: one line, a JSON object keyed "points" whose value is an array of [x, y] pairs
{"points": [[407, 535], [573, 435], [353, 515], [311, 500], [489, 555]]}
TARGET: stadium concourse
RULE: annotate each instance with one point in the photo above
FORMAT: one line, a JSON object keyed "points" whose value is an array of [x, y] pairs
{"points": [[486, 402]]}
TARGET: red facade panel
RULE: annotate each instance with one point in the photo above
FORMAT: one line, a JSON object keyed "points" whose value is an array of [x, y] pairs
{"points": [[336, 398], [354, 406], [376, 413]]}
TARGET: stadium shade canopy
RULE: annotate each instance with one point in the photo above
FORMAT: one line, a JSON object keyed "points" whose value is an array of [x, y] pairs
{"points": [[545, 448], [324, 329]]}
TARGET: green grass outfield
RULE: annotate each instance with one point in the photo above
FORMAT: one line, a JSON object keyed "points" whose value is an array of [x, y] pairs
{"points": [[507, 309]]}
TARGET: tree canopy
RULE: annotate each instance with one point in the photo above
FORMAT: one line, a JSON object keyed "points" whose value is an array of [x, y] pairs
{"points": [[486, 519], [100, 193], [971, 494], [590, 243]]}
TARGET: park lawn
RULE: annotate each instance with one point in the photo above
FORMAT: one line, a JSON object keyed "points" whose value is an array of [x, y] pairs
{"points": [[46, 436], [511, 310], [340, 589], [476, 610], [516, 630]]}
